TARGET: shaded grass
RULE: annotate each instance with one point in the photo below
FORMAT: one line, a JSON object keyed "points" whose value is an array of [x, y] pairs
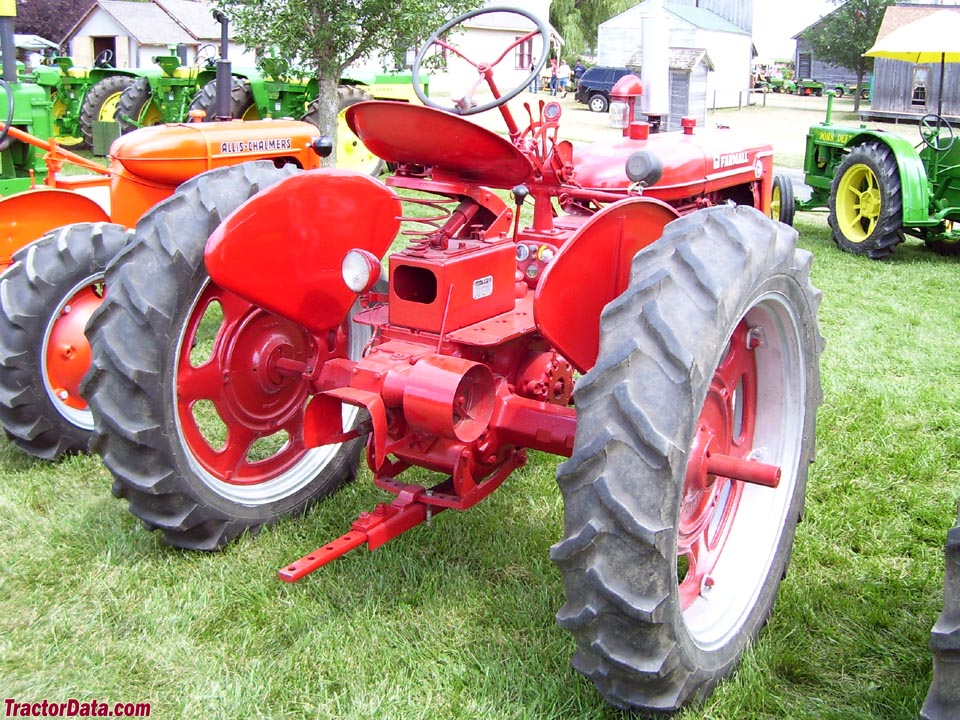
{"points": [[455, 620]]}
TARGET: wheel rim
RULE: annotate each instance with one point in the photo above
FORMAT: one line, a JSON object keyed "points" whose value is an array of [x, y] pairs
{"points": [[109, 107], [66, 352], [251, 113], [351, 153], [152, 116], [729, 531], [859, 203], [239, 411], [775, 202]]}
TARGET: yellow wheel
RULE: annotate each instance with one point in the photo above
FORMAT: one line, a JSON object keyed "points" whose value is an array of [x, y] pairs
{"points": [[135, 107], [858, 203], [101, 102], [351, 153], [59, 111], [782, 204], [109, 107], [866, 201]]}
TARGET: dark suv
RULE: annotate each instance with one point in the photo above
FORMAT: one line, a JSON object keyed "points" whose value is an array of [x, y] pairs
{"points": [[595, 86]]}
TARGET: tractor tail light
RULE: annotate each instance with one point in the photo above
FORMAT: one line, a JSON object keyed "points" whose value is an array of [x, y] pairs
{"points": [[360, 270]]}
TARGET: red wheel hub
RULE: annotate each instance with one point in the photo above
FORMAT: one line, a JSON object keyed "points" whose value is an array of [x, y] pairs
{"points": [[725, 427], [253, 378], [68, 352]]}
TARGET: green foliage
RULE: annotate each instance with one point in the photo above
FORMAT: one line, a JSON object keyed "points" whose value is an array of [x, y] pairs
{"points": [[577, 21], [844, 35], [327, 36]]}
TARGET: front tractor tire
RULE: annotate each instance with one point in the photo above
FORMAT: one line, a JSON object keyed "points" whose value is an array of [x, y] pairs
{"points": [[943, 698], [46, 297], [670, 568], [866, 202], [200, 426], [783, 206], [100, 104]]}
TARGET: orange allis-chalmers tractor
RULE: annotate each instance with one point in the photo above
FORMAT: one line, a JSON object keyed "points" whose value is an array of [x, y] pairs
{"points": [[56, 241], [650, 324]]}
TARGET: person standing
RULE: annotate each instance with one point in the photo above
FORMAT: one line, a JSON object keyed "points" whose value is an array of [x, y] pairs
{"points": [[563, 77], [535, 83], [578, 70], [553, 76]]}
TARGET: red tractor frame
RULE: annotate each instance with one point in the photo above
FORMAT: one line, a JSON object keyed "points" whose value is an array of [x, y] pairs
{"points": [[649, 324]]}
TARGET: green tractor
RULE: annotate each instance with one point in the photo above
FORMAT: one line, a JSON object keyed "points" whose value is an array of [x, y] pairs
{"points": [[809, 87], [28, 106], [879, 187], [782, 85], [82, 96], [164, 94]]}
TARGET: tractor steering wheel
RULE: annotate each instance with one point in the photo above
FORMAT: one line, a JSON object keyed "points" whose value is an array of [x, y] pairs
{"points": [[9, 120], [485, 69], [206, 55], [930, 126], [103, 59]]}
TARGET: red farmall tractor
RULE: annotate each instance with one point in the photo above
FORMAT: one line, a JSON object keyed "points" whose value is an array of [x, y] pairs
{"points": [[648, 323]]}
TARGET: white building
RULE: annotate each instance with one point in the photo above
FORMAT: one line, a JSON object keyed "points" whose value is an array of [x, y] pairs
{"points": [[134, 32], [484, 37], [729, 46]]}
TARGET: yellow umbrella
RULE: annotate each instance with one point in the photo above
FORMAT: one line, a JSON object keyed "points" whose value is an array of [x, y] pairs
{"points": [[933, 38]]}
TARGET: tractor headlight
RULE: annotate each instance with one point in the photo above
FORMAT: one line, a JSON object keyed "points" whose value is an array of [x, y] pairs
{"points": [[360, 270]]}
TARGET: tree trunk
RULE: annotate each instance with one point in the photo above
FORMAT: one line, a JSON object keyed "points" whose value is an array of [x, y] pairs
{"points": [[856, 95], [327, 107]]}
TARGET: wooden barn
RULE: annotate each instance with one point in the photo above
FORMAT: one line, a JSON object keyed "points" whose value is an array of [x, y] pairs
{"points": [[908, 91], [810, 67]]}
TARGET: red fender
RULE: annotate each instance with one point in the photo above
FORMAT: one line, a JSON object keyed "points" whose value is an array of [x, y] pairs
{"points": [[26, 216], [567, 308], [282, 249]]}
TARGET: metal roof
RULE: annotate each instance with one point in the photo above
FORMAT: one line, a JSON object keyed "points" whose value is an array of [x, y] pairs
{"points": [[703, 19], [147, 23], [195, 17], [681, 58], [896, 16], [169, 22]]}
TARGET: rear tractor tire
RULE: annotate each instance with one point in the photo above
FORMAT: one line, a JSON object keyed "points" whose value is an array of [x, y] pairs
{"points": [[783, 206], [136, 108], [351, 153], [670, 568], [201, 429], [242, 104], [100, 104], [943, 699], [46, 298], [866, 202]]}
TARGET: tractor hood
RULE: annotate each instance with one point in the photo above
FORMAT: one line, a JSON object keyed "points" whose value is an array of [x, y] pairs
{"points": [[692, 163], [172, 154], [283, 248]]}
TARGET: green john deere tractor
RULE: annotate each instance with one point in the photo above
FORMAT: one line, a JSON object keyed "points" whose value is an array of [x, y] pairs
{"points": [[82, 96], [879, 187], [26, 106]]}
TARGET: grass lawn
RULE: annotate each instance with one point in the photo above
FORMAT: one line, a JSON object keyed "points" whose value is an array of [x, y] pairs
{"points": [[455, 620]]}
